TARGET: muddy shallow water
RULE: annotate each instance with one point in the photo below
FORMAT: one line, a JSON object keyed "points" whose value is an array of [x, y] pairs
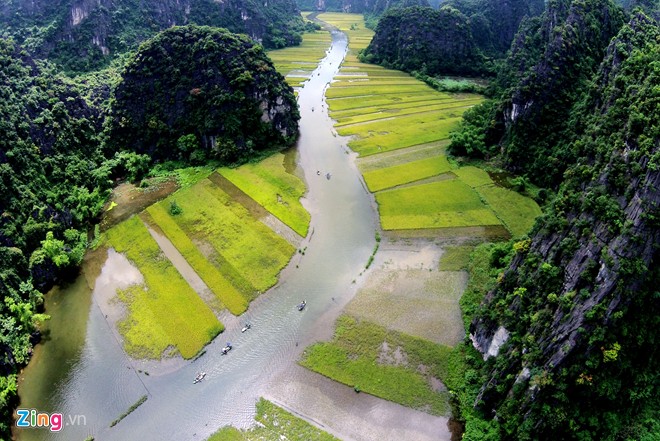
{"points": [[82, 369]]}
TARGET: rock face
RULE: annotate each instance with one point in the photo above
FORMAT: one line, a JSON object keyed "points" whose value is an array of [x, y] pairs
{"points": [[563, 47], [80, 34], [456, 39], [217, 90], [582, 304], [424, 39]]}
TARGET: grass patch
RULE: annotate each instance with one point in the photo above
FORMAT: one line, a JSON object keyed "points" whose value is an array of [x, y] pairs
{"points": [[165, 311], [383, 363], [279, 192], [436, 205], [401, 174], [482, 278], [455, 258], [137, 404], [228, 295], [275, 424], [517, 212], [248, 253], [473, 176]]}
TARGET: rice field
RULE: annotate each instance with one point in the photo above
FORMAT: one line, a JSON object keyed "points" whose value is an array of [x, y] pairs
{"points": [[296, 63], [226, 293], [385, 363], [441, 204], [165, 316], [399, 126], [246, 252], [403, 173], [279, 192]]}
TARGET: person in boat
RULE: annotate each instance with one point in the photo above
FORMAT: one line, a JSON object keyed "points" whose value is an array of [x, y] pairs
{"points": [[328, 176], [226, 348], [318, 172], [302, 305]]}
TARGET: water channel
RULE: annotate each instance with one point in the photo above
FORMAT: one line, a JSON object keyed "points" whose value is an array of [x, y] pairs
{"points": [[81, 369]]}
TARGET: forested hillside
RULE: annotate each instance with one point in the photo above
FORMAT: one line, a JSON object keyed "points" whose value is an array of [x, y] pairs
{"points": [[425, 39], [82, 35], [195, 93], [53, 178], [460, 38], [580, 303]]}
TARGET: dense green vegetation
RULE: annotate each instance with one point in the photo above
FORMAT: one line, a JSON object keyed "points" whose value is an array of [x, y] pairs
{"points": [[426, 40], [462, 37], [197, 93], [81, 36], [53, 180], [579, 300]]}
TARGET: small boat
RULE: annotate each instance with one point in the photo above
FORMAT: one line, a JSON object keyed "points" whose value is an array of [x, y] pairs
{"points": [[302, 305], [199, 377], [226, 349], [246, 327]]}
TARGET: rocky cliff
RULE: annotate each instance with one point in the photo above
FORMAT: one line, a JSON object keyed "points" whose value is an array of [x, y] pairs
{"points": [[195, 92], [424, 39], [563, 47], [576, 316], [81, 34]]}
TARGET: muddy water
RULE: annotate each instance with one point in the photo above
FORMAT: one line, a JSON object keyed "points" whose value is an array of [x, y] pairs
{"points": [[95, 379]]}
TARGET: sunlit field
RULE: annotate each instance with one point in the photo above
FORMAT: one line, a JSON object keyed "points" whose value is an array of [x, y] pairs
{"points": [[400, 126], [165, 312], [245, 251], [279, 192], [296, 63]]}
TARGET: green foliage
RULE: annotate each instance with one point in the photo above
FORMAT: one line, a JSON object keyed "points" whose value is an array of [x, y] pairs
{"points": [[209, 94], [106, 30], [589, 270], [174, 209], [356, 357], [476, 135], [426, 40]]}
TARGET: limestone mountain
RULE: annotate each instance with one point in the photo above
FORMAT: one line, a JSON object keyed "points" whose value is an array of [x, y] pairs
{"points": [[577, 313], [84, 34], [195, 92]]}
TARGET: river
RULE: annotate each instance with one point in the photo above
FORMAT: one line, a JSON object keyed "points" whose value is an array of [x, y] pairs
{"points": [[81, 371]]}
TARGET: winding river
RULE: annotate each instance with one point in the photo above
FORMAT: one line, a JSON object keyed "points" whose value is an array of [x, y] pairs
{"points": [[82, 372]]}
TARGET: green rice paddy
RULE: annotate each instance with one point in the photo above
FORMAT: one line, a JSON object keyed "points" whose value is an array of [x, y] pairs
{"points": [[403, 173], [226, 293], [384, 363], [165, 312], [435, 205], [296, 63], [399, 126], [245, 251], [279, 192]]}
